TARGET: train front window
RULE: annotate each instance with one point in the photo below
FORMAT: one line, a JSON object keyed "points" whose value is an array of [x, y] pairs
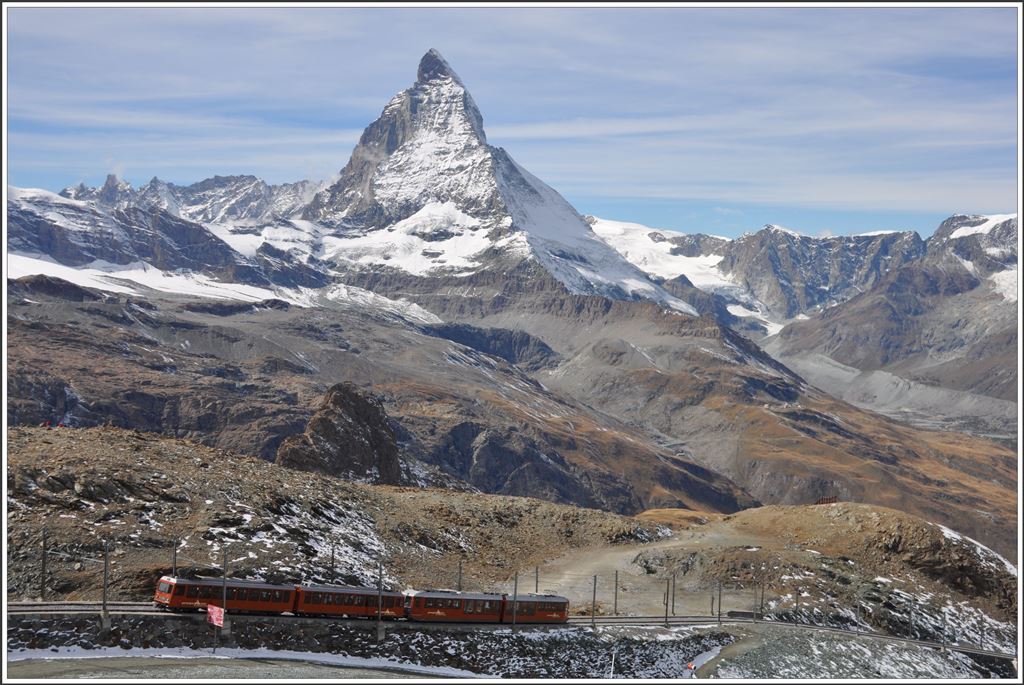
{"points": [[164, 587]]}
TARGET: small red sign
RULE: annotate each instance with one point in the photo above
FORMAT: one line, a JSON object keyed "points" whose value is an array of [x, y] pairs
{"points": [[215, 615]]}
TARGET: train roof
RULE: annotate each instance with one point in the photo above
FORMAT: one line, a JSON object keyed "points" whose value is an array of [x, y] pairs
{"points": [[231, 581], [346, 588], [531, 597], [521, 597], [455, 594]]}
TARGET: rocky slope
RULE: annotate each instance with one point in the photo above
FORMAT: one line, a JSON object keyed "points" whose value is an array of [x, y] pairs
{"points": [[515, 350], [248, 376], [840, 565], [936, 337], [148, 494], [762, 279], [219, 199]]}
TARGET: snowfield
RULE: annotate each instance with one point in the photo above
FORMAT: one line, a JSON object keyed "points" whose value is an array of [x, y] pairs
{"points": [[985, 227]]}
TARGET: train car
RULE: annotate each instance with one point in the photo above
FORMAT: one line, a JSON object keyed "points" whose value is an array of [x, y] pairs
{"points": [[340, 600], [531, 608], [460, 607], [244, 596]]}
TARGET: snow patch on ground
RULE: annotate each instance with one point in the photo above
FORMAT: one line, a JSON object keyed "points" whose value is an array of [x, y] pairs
{"points": [[110, 277], [1005, 283], [119, 278], [991, 558], [438, 236], [237, 653], [634, 242]]}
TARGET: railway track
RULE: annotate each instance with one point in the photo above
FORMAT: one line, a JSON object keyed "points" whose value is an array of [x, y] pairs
{"points": [[583, 621], [79, 607]]}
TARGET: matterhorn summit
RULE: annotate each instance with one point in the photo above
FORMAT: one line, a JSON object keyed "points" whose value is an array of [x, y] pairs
{"points": [[424, 170], [423, 196]]}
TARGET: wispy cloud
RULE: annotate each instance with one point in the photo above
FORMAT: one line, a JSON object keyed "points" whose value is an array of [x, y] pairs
{"points": [[891, 109]]}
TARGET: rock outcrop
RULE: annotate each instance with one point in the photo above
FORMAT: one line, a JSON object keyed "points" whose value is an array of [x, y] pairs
{"points": [[348, 437]]}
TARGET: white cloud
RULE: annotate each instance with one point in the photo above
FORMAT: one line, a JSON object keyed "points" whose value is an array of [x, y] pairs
{"points": [[891, 108]]}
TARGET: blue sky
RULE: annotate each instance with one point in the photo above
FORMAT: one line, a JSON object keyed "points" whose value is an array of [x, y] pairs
{"points": [[828, 120]]}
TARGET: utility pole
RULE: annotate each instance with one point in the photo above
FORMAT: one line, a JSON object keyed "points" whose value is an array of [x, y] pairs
{"points": [[593, 606], [332, 561], [515, 600], [174, 560], [712, 604], [796, 614], [719, 602], [224, 589], [673, 594], [536, 580], [615, 606], [755, 602], [42, 576], [760, 607], [460, 576], [380, 598], [106, 576], [668, 582]]}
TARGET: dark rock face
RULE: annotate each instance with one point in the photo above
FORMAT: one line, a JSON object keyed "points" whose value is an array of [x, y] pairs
{"points": [[52, 287], [515, 347], [935, 317], [349, 436], [793, 274], [287, 268], [510, 462]]}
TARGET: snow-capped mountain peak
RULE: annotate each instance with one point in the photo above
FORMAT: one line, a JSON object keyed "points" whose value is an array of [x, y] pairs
{"points": [[433, 67], [428, 150], [422, 194]]}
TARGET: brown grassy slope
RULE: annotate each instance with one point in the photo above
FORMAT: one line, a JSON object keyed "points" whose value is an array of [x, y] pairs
{"points": [[143, 492]]}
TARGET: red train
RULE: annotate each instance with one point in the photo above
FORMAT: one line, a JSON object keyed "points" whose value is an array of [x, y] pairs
{"points": [[246, 596]]}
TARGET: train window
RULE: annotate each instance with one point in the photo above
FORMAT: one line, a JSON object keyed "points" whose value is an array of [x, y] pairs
{"points": [[360, 600], [231, 593], [525, 608], [193, 590], [164, 586], [265, 595], [254, 595], [488, 608], [429, 602], [419, 602]]}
